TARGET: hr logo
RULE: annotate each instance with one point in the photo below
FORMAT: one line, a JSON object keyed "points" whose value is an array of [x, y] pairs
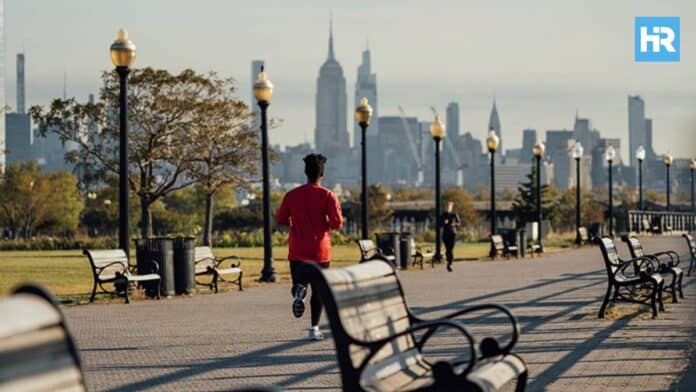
{"points": [[656, 39]]}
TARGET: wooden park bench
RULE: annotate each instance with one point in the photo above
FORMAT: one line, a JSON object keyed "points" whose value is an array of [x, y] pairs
{"points": [[37, 350], [501, 248], [112, 266], [420, 254], [631, 280], [665, 262], [379, 342], [370, 251], [208, 264], [583, 236], [691, 243]]}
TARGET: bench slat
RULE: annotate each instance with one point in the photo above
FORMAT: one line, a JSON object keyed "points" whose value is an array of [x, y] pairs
{"points": [[26, 312]]}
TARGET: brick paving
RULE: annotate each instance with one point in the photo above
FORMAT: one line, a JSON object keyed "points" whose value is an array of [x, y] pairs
{"points": [[225, 341]]}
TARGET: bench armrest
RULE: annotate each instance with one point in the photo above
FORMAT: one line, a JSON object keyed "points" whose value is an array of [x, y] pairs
{"points": [[489, 346], [153, 263], [383, 251], [119, 263], [236, 264], [642, 266], [212, 261], [430, 327], [673, 257]]}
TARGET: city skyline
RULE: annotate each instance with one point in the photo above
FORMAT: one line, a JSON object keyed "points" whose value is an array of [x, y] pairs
{"points": [[540, 88]]}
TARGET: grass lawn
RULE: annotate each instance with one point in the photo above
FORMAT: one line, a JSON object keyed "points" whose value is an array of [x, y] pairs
{"points": [[68, 275]]}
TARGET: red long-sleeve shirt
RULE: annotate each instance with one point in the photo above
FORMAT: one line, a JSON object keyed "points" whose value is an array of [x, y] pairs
{"points": [[311, 211]]}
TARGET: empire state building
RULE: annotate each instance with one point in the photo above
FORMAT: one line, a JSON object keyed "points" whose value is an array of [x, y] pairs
{"points": [[331, 132]]}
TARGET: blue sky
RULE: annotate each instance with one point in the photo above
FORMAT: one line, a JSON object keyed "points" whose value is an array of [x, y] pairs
{"points": [[541, 59]]}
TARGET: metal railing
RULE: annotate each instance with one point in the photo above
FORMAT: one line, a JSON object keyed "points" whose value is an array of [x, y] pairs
{"points": [[660, 221]]}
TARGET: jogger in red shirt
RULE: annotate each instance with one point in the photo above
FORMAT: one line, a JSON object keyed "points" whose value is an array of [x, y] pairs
{"points": [[311, 211]]}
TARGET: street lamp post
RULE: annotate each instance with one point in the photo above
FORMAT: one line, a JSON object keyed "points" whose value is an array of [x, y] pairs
{"points": [[492, 143], [437, 130], [640, 155], [577, 155], [263, 92], [363, 114], [122, 56], [610, 155], [667, 159], [538, 151]]}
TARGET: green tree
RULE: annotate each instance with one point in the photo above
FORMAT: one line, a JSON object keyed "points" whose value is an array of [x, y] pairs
{"points": [[163, 110], [30, 199], [524, 205]]}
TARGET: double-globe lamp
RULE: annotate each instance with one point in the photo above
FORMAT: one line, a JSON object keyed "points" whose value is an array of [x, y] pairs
{"points": [[437, 131], [538, 151], [122, 56], [363, 115], [610, 155], [263, 92], [640, 156], [577, 155], [492, 142], [668, 159]]}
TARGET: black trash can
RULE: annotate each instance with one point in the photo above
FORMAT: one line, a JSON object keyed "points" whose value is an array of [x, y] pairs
{"points": [[160, 250], [405, 249], [389, 244], [184, 265]]}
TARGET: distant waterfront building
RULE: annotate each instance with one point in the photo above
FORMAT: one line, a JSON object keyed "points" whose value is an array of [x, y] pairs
{"points": [[557, 142], [650, 151], [331, 133], [18, 142], [583, 132], [452, 125], [529, 139], [366, 86], [399, 157], [637, 134], [21, 108], [494, 124], [600, 167]]}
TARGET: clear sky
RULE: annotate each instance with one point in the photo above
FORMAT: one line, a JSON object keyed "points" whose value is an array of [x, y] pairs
{"points": [[542, 60]]}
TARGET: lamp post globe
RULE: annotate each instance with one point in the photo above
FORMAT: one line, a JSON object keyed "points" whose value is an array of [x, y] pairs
{"points": [[437, 131], [492, 142], [263, 92], [363, 115], [538, 151], [640, 156], [122, 52], [609, 156], [577, 152], [668, 159]]}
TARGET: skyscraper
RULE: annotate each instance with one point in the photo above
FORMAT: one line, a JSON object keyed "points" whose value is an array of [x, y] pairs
{"points": [[453, 119], [529, 139], [255, 69], [636, 128], [494, 124], [2, 85], [21, 108], [331, 132], [366, 86]]}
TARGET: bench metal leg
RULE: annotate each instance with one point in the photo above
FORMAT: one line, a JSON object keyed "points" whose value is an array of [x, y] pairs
{"points": [[681, 292], [673, 287], [240, 280], [521, 382], [215, 281], [656, 293], [94, 292], [159, 290], [126, 290], [605, 302]]}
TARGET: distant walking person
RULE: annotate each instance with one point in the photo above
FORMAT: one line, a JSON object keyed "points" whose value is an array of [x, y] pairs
{"points": [[450, 224], [311, 211]]}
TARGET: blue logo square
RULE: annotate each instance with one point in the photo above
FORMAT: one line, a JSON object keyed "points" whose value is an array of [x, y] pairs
{"points": [[656, 39]]}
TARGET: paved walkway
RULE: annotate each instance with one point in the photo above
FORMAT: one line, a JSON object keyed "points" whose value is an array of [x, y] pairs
{"points": [[220, 342]]}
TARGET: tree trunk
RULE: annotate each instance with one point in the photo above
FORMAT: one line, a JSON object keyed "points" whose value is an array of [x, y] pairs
{"points": [[145, 218], [208, 231]]}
